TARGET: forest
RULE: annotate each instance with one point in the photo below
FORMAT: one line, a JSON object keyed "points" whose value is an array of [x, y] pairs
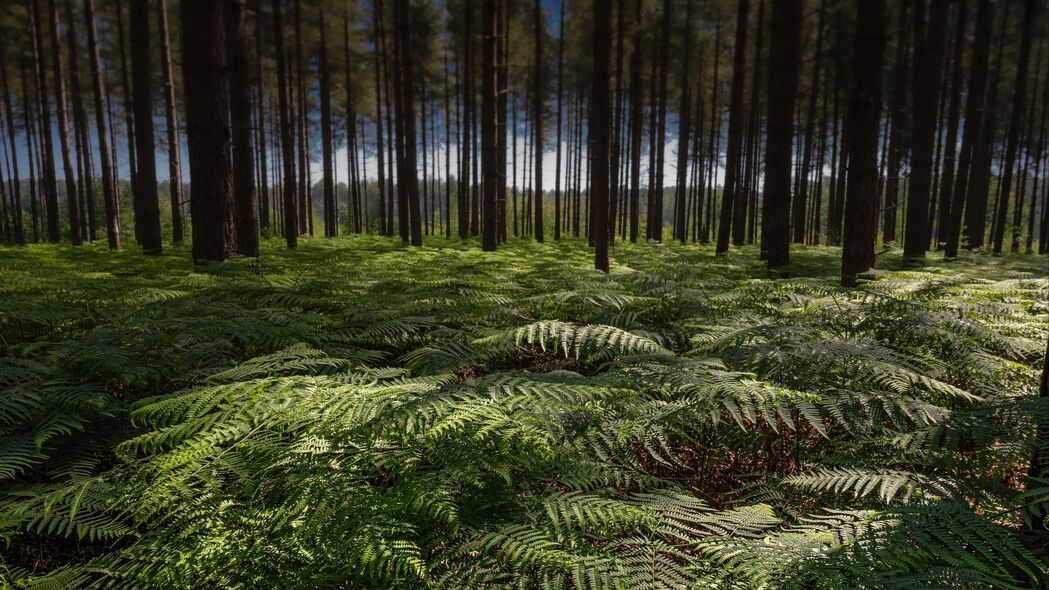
{"points": [[524, 294]]}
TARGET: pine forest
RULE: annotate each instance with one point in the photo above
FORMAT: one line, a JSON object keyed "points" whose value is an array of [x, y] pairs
{"points": [[524, 294]]}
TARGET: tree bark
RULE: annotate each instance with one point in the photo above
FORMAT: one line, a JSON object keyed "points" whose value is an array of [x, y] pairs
{"points": [[537, 119], [861, 199], [129, 116], [973, 116], [928, 63], [171, 118], [409, 181], [245, 222], [784, 59], [144, 185], [207, 128], [61, 112], [684, 127], [599, 131], [16, 197], [287, 142], [735, 130], [798, 206], [1013, 139], [489, 20], [328, 182], [80, 134], [897, 116]]}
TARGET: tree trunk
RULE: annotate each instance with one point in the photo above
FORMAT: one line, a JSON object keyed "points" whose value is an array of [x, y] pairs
{"points": [[380, 154], [973, 116], [330, 224], [537, 119], [16, 197], [467, 205], [735, 130], [144, 185], [861, 199], [636, 113], [129, 116], [58, 66], [798, 206], [47, 143], [171, 117], [245, 220], [80, 134], [489, 20], [287, 142], [1012, 141], [406, 116], [264, 186], [784, 59], [897, 116], [207, 126], [599, 131], [928, 63]]}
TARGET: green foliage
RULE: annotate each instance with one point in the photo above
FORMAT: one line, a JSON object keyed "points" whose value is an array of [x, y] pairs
{"points": [[359, 415]]}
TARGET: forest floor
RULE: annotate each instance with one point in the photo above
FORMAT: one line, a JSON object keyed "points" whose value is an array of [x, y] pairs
{"points": [[357, 413]]}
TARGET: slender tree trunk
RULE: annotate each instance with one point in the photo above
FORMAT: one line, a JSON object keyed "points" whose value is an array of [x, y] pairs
{"points": [[245, 222], [171, 117], [684, 125], [636, 114], [537, 123], [330, 224], [80, 135], [144, 185], [1013, 139], [799, 204], [207, 124], [467, 206], [61, 112], [129, 111], [735, 130], [784, 59], [599, 131], [560, 90], [950, 150], [489, 20], [378, 44], [16, 197], [264, 188], [406, 117], [897, 116], [750, 177], [928, 63], [287, 143], [861, 198], [973, 116]]}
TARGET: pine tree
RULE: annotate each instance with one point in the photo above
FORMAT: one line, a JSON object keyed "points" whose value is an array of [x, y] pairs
{"points": [[861, 198], [784, 58], [144, 185], [599, 131], [245, 217]]}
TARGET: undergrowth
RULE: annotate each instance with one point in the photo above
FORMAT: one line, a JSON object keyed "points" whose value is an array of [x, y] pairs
{"points": [[357, 414]]}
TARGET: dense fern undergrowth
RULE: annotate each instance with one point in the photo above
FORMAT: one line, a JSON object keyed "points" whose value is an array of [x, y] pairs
{"points": [[357, 414]]}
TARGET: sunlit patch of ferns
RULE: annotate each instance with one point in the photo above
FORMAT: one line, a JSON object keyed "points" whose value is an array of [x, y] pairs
{"points": [[357, 415]]}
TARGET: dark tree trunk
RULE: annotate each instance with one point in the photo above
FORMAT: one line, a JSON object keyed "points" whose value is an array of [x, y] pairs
{"points": [[950, 150], [245, 220], [928, 63], [537, 119], [800, 202], [287, 142], [264, 185], [684, 126], [467, 205], [861, 199], [897, 122], [406, 116], [144, 185], [16, 197], [599, 131], [207, 127], [974, 108], [560, 90], [636, 113], [750, 177], [1013, 139], [171, 117], [784, 58], [380, 154], [129, 116], [489, 20], [735, 130], [330, 223], [80, 134], [58, 69], [302, 126]]}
